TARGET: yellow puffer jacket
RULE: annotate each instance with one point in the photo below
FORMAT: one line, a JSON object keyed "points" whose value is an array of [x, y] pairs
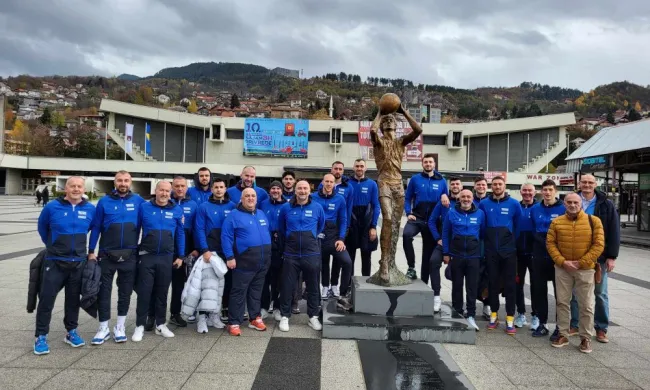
{"points": [[573, 240]]}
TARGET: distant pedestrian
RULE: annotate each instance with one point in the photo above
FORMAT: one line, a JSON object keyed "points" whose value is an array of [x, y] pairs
{"points": [[575, 240], [46, 196], [39, 196]]}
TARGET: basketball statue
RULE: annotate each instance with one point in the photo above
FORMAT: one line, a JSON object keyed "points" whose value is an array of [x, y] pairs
{"points": [[389, 151]]}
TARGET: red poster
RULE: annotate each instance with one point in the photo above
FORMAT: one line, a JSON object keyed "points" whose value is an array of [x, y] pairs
{"points": [[413, 150]]}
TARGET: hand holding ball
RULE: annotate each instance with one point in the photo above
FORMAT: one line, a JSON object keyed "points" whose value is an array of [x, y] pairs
{"points": [[389, 104]]}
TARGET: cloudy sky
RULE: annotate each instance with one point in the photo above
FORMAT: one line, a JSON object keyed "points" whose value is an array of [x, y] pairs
{"points": [[461, 43]]}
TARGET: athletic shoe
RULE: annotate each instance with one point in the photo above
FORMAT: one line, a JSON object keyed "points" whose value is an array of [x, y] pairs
{"points": [[224, 315], [520, 321], [271, 307], [315, 324], [487, 312], [40, 345], [534, 322], [325, 292], [214, 319], [202, 324], [555, 335], [119, 334], [138, 333], [74, 339], [103, 334], [257, 324], [295, 309], [284, 324], [151, 323], [336, 292], [437, 302], [277, 315], [511, 330], [264, 314], [177, 320], [411, 274], [191, 319], [541, 331], [472, 323], [163, 330], [344, 304], [601, 336], [560, 342], [492, 325], [585, 346], [234, 330]]}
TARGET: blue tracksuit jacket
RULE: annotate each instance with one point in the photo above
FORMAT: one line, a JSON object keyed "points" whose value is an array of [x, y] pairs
{"points": [[116, 220], [525, 230], [346, 190], [299, 227], [336, 220], [437, 218], [235, 191], [502, 216], [541, 218], [271, 208], [245, 237], [462, 232], [162, 229], [209, 222], [366, 193], [64, 228], [423, 193]]}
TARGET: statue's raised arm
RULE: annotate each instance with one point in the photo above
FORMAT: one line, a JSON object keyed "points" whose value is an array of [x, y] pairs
{"points": [[417, 129]]}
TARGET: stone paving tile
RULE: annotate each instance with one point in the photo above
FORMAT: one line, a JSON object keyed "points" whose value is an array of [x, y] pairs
{"points": [[81, 379], [639, 377], [482, 373], [110, 359], [566, 357], [620, 360], [596, 377], [8, 354], [185, 361], [510, 354], [298, 331], [227, 344], [533, 374], [187, 343], [231, 362], [24, 378], [151, 380], [210, 381], [59, 358]]}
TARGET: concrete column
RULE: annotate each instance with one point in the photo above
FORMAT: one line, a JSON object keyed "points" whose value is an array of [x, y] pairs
{"points": [[13, 182]]}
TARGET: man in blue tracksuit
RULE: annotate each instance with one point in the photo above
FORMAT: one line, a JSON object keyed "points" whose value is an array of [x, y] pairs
{"points": [[116, 221], [462, 230], [595, 203], [502, 214], [247, 181], [362, 231], [342, 185], [332, 242], [543, 267], [480, 192], [423, 192], [63, 226], [181, 197], [299, 224], [163, 239], [435, 227], [525, 233], [201, 190], [271, 292], [207, 236], [288, 184], [246, 243]]}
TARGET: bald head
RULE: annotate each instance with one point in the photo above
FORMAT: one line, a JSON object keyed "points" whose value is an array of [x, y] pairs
{"points": [[328, 183], [466, 198], [248, 176], [74, 189], [163, 192], [249, 199]]}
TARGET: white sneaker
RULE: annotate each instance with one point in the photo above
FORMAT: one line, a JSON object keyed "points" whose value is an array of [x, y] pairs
{"points": [[163, 330], [486, 311], [277, 316], [271, 307], [264, 314], [202, 324], [103, 334], [119, 334], [437, 302], [284, 324], [214, 319], [336, 292], [325, 292], [315, 324], [138, 333], [472, 323]]}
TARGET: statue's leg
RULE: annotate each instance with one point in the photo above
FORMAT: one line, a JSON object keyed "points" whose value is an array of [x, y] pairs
{"points": [[385, 238], [398, 210]]}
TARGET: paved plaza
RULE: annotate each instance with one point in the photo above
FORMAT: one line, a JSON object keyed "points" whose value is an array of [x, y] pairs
{"points": [[300, 359]]}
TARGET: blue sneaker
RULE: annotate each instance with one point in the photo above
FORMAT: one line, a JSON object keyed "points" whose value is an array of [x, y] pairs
{"points": [[541, 331], [556, 335], [520, 321], [534, 322], [40, 346], [74, 339]]}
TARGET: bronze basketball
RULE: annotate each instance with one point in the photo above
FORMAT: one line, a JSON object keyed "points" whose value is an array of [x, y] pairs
{"points": [[389, 103]]}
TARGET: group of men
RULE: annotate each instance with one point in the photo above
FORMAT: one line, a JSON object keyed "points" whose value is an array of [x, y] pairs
{"points": [[275, 242]]}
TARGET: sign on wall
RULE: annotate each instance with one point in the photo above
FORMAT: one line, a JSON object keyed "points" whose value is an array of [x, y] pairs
{"points": [[413, 150], [560, 179], [644, 181], [594, 164], [270, 137], [492, 174]]}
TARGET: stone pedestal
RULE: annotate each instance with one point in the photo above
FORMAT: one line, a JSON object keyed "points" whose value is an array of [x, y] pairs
{"points": [[395, 313]]}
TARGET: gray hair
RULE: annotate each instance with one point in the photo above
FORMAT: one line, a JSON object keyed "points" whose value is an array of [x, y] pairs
{"points": [[527, 184]]}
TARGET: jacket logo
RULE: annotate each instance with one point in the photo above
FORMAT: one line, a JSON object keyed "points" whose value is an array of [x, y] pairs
{"points": [[308, 213], [65, 214], [262, 222], [364, 190], [331, 206]]}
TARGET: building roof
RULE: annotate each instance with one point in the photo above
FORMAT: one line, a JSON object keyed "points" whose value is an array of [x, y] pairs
{"points": [[609, 140]]}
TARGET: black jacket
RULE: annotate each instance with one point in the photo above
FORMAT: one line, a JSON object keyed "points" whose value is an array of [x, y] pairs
{"points": [[34, 285], [605, 210], [90, 281]]}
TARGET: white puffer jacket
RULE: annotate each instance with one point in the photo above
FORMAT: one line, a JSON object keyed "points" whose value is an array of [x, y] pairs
{"points": [[204, 287]]}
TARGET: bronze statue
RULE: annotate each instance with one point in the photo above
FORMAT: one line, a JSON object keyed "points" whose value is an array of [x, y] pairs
{"points": [[389, 153]]}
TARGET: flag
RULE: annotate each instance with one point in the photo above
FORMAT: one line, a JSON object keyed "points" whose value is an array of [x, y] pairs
{"points": [[128, 137], [147, 139]]}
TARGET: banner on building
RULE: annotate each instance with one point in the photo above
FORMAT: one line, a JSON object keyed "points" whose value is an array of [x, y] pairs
{"points": [[595, 164], [50, 173], [270, 137], [128, 138], [560, 179], [413, 150], [491, 175], [644, 181]]}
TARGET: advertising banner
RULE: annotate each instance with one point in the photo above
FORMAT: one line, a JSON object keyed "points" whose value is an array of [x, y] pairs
{"points": [[491, 175], [128, 138], [413, 150], [270, 137], [595, 164]]}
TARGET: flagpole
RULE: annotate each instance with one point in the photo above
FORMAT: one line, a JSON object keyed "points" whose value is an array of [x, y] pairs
{"points": [[145, 139], [106, 141]]}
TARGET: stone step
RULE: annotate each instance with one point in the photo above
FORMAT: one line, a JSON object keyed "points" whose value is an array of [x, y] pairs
{"points": [[414, 299]]}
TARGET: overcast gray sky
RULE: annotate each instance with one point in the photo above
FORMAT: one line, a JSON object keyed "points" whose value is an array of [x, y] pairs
{"points": [[460, 43]]}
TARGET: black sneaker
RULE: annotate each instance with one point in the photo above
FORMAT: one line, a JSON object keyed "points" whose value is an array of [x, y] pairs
{"points": [[177, 320], [411, 274], [541, 331], [150, 324], [556, 335], [344, 304], [295, 309]]}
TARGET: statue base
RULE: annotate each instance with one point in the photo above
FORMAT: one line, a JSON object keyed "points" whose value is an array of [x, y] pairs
{"points": [[395, 278]]}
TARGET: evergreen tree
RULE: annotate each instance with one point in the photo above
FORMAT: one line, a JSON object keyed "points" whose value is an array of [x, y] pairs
{"points": [[234, 101]]}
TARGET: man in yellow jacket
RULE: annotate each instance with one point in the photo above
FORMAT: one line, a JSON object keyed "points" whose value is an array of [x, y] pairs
{"points": [[574, 242]]}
